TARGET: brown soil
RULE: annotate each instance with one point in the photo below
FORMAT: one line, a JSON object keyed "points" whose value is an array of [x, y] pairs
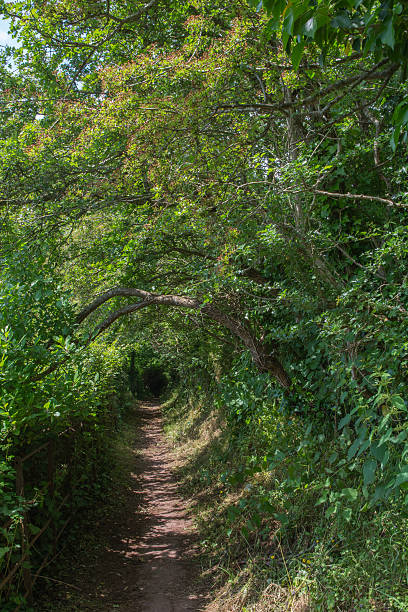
{"points": [[149, 562]]}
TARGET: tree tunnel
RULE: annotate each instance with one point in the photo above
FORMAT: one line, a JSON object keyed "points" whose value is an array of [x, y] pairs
{"points": [[154, 380], [261, 355]]}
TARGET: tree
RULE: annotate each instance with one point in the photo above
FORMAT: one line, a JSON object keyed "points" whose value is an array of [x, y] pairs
{"points": [[371, 29]]}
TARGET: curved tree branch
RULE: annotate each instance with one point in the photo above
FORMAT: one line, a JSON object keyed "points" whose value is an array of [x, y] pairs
{"points": [[260, 355]]}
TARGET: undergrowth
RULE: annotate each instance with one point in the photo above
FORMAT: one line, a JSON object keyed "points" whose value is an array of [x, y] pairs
{"points": [[68, 587], [270, 540]]}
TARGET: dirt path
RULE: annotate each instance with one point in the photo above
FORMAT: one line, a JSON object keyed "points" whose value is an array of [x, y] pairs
{"points": [[148, 563]]}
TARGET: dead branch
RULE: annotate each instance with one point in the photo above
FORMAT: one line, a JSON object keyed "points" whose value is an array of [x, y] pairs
{"points": [[358, 196]]}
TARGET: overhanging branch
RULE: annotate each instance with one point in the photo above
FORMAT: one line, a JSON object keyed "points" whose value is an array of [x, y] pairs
{"points": [[260, 355]]}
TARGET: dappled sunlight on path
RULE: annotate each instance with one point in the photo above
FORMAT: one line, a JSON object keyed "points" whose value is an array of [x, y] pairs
{"points": [[161, 544]]}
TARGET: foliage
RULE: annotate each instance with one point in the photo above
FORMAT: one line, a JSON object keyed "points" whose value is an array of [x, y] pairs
{"points": [[263, 518], [168, 148], [36, 321], [365, 27]]}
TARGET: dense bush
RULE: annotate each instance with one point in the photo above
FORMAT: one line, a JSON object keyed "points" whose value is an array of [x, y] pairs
{"points": [[74, 407], [282, 503]]}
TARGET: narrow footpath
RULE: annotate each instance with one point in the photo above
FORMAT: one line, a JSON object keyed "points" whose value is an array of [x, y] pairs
{"points": [[148, 562]]}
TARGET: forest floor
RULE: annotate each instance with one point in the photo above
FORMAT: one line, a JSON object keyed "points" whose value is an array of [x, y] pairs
{"points": [[145, 557]]}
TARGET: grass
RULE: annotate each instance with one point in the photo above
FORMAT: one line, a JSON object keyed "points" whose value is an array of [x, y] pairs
{"points": [[281, 555], [287, 555]]}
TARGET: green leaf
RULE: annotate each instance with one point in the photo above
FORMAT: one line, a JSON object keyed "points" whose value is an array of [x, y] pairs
{"points": [[297, 54], [369, 469], [267, 4], [256, 4], [288, 22], [271, 26], [333, 457], [344, 421], [332, 510], [321, 499], [400, 114], [379, 493], [398, 402], [400, 438], [378, 452], [363, 447], [401, 478], [350, 494], [398, 8], [341, 21], [395, 138], [4, 550], [387, 35], [353, 449], [348, 514], [385, 437], [282, 518], [310, 27], [276, 7]]}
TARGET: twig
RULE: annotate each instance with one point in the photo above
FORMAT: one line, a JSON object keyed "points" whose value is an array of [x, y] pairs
{"points": [[358, 196], [60, 582]]}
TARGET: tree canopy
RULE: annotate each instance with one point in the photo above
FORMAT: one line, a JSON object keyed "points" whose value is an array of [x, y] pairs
{"points": [[212, 179]]}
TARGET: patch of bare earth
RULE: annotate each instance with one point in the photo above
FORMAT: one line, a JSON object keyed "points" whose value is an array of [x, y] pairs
{"points": [[149, 559]]}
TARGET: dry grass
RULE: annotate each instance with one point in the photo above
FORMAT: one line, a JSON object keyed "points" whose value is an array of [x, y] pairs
{"points": [[247, 596], [194, 433]]}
